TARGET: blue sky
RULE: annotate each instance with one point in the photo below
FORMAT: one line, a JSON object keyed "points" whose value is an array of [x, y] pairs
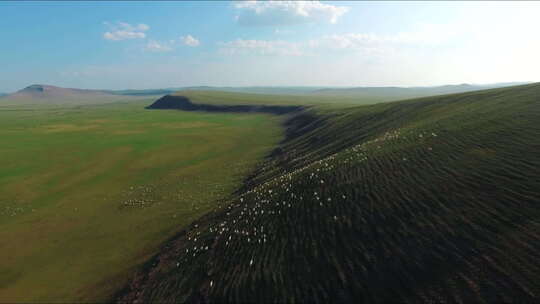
{"points": [[118, 45]]}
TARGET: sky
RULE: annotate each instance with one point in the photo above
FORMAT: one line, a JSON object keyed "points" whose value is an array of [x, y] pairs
{"points": [[143, 45]]}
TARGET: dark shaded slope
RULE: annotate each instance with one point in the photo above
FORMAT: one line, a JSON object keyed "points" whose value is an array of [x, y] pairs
{"points": [[430, 200], [183, 103]]}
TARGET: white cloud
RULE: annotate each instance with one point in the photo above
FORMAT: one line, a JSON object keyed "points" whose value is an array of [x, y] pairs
{"points": [[123, 31], [155, 46], [275, 13], [261, 47], [190, 41]]}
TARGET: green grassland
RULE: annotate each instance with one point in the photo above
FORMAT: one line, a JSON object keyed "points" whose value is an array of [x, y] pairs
{"points": [[431, 199], [428, 200], [88, 192]]}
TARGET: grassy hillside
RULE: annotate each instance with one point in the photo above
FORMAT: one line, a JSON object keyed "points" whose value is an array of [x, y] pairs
{"points": [[323, 98], [428, 200], [89, 192], [236, 98]]}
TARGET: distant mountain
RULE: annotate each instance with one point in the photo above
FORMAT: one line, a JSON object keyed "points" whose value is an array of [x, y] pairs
{"points": [[254, 90], [40, 91], [382, 93]]}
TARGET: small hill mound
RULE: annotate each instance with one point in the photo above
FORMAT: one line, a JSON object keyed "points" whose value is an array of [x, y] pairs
{"points": [[52, 95], [429, 200], [48, 92]]}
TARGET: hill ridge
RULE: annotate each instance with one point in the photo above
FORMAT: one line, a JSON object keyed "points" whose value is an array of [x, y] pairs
{"points": [[411, 201]]}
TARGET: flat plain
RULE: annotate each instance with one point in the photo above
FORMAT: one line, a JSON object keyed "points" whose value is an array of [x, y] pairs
{"points": [[90, 191]]}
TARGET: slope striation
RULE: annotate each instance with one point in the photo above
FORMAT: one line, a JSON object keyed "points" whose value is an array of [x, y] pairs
{"points": [[428, 200]]}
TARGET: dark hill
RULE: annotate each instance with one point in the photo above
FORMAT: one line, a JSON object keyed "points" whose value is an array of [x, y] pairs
{"points": [[183, 103], [429, 200]]}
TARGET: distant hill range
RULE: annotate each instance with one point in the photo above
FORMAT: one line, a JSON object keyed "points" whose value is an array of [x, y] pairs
{"points": [[144, 92], [41, 91], [375, 92], [254, 90], [409, 92], [260, 90]]}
